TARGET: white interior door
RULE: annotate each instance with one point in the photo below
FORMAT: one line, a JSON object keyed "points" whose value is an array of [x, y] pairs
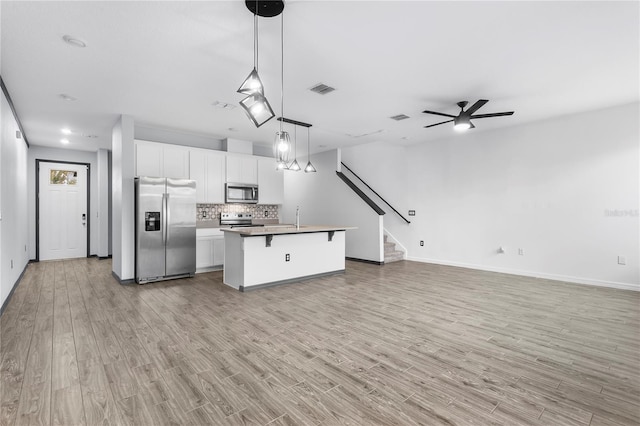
{"points": [[62, 210]]}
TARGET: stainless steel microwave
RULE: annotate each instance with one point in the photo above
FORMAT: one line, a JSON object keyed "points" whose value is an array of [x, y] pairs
{"points": [[241, 193]]}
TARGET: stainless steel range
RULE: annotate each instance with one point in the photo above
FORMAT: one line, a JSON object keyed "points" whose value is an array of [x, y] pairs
{"points": [[236, 220]]}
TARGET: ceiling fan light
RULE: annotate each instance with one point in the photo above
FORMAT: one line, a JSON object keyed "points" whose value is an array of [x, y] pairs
{"points": [[461, 124], [257, 108], [252, 84]]}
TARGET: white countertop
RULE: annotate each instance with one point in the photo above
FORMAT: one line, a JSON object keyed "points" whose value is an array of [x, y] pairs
{"points": [[254, 231]]}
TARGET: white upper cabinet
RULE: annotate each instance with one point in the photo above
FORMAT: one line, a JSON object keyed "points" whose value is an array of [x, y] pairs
{"points": [[148, 159], [161, 160], [176, 161], [242, 169], [207, 168], [270, 182]]}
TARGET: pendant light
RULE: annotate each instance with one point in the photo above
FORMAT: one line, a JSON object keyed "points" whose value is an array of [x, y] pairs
{"points": [[282, 143], [255, 104], [309, 167], [294, 166]]}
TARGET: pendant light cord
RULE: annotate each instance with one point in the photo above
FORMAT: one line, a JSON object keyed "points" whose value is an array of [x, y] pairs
{"points": [[308, 145], [255, 42], [281, 68], [255, 37]]}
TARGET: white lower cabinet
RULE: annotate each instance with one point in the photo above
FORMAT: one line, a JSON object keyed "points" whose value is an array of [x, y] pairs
{"points": [[209, 249], [218, 251]]}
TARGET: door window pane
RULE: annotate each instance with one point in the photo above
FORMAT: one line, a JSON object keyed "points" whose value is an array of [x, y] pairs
{"points": [[63, 177]]}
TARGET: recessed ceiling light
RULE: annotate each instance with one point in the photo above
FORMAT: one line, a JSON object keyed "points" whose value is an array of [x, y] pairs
{"points": [[66, 97], [64, 141], [76, 42], [66, 131]]}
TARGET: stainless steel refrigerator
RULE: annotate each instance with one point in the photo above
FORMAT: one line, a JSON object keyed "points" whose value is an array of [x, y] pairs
{"points": [[165, 228]]}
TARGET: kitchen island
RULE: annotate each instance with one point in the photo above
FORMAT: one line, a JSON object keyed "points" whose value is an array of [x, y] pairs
{"points": [[257, 257]]}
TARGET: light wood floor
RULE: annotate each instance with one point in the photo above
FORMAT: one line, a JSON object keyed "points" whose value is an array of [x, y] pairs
{"points": [[405, 343]]}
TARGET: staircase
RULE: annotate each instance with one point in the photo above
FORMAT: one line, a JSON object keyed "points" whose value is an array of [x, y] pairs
{"points": [[390, 252]]}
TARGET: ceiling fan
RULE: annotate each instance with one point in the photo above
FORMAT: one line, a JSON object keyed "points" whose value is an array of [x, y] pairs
{"points": [[462, 121]]}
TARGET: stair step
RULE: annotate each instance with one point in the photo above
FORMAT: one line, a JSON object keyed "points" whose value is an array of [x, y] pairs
{"points": [[393, 256], [389, 247]]}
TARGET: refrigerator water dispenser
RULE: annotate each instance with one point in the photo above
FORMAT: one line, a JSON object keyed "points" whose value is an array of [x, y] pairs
{"points": [[151, 221]]}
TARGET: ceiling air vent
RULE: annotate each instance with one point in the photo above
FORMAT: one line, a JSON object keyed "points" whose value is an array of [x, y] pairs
{"points": [[399, 117], [322, 89]]}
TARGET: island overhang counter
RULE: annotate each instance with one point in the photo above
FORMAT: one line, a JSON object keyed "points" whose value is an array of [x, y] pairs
{"points": [[257, 257]]}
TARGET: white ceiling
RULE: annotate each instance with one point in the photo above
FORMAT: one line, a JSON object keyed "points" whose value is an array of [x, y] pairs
{"points": [[165, 63]]}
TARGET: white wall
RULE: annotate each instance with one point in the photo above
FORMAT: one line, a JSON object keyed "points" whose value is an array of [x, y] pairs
{"points": [[122, 205], [384, 167], [104, 213], [545, 187], [149, 133], [13, 202], [44, 153], [325, 200]]}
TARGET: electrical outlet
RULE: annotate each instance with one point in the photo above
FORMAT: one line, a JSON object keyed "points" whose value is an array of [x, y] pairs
{"points": [[412, 212], [421, 243], [287, 257], [622, 260], [266, 213], [521, 251]]}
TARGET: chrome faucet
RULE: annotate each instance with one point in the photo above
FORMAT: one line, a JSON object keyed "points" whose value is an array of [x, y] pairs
{"points": [[297, 217]]}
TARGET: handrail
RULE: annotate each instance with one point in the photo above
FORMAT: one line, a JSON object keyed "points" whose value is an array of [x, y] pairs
{"points": [[362, 195], [373, 190]]}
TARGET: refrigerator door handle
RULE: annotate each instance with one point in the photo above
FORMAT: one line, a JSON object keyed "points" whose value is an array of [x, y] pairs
{"points": [[164, 217], [167, 210]]}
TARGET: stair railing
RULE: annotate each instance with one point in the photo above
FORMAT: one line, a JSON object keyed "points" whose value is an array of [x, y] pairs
{"points": [[361, 194], [372, 190]]}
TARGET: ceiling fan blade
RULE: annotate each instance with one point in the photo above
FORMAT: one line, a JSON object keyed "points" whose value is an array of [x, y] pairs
{"points": [[493, 114], [473, 108], [439, 113], [437, 124]]}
